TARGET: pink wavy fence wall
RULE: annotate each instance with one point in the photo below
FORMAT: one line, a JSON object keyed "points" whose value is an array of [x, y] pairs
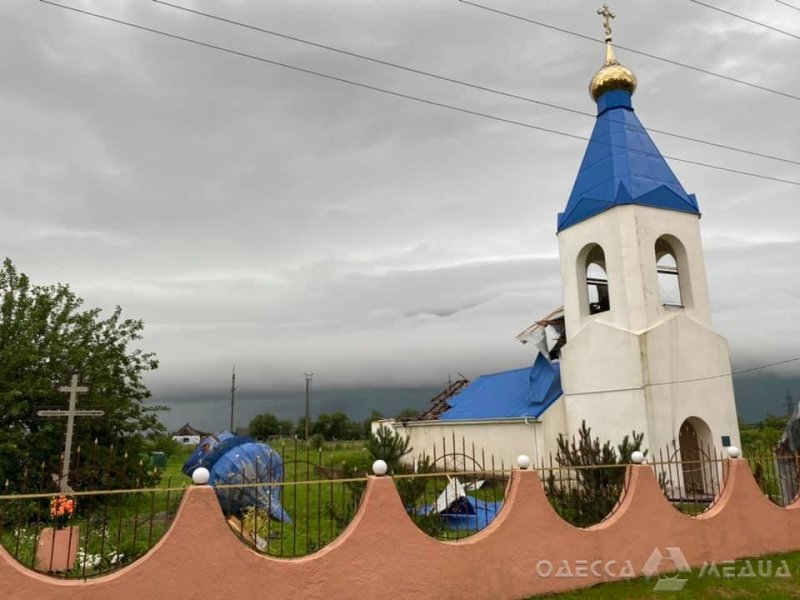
{"points": [[383, 554]]}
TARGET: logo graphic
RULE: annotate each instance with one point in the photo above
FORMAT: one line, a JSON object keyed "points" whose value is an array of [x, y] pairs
{"points": [[667, 583]]}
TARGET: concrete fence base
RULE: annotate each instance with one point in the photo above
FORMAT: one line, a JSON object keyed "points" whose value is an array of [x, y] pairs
{"points": [[383, 554]]}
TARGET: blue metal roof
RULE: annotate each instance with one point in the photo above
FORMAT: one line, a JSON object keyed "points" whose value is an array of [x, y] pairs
{"points": [[622, 166], [524, 392]]}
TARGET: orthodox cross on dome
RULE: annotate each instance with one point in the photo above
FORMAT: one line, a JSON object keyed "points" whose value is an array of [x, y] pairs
{"points": [[73, 389], [607, 15]]}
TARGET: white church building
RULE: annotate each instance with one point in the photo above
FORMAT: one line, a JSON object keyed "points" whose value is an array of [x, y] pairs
{"points": [[633, 348]]}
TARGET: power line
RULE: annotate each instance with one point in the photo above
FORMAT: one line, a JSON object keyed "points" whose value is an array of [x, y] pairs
{"points": [[633, 50], [787, 4], [461, 82], [748, 19], [674, 382], [403, 95]]}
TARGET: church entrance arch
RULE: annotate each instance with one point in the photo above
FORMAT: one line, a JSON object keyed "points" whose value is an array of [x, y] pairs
{"points": [[694, 439]]}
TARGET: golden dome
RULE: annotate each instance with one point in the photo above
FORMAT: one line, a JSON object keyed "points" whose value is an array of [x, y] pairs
{"points": [[613, 76]]}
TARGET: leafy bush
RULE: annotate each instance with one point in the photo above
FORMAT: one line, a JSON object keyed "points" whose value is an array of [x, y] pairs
{"points": [[316, 441]]}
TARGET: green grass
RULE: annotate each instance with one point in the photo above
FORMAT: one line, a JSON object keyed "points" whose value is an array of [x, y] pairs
{"points": [[707, 586], [319, 510], [171, 475]]}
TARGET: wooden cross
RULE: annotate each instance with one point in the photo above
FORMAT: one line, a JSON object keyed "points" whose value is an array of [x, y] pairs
{"points": [[607, 15], [73, 389]]}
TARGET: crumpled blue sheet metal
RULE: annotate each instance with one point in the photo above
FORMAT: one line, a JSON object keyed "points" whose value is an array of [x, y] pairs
{"points": [[622, 166], [240, 460]]}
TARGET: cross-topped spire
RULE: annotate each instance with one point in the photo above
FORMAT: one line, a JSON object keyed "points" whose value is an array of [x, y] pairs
{"points": [[607, 15]]}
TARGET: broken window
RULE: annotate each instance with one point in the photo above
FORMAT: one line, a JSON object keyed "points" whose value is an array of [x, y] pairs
{"points": [[597, 281], [668, 277]]}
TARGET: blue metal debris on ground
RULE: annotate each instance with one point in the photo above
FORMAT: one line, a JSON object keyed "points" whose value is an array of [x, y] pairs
{"points": [[237, 460]]}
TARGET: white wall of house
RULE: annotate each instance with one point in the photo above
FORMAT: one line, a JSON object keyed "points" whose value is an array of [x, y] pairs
{"points": [[187, 440], [503, 439]]}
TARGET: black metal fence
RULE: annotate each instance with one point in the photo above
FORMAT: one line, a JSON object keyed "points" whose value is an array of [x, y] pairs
{"points": [[455, 491], [777, 472], [583, 495], [451, 493], [691, 478], [82, 534], [316, 499]]}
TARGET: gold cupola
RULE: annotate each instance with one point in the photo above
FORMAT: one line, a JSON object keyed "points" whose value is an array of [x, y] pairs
{"points": [[612, 76]]}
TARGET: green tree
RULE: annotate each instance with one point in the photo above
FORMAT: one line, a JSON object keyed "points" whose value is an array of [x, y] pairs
{"points": [[388, 446], [265, 426], [335, 426], [300, 429], [589, 482], [46, 334], [286, 428], [758, 439], [407, 413]]}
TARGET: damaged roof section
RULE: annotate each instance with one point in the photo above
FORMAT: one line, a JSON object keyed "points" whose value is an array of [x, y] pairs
{"points": [[525, 392], [548, 334]]}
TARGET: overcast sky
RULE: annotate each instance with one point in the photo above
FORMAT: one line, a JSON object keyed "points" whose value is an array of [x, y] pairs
{"points": [[282, 222]]}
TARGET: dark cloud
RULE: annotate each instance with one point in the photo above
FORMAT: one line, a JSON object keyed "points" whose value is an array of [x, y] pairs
{"points": [[266, 218]]}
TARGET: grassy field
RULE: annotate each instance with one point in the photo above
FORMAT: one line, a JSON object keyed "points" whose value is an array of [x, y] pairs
{"points": [[707, 586]]}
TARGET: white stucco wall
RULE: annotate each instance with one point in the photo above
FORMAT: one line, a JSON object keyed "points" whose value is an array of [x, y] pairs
{"points": [[502, 441], [628, 235], [618, 366]]}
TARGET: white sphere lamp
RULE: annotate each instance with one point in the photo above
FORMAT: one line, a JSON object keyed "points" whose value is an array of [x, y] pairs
{"points": [[200, 476]]}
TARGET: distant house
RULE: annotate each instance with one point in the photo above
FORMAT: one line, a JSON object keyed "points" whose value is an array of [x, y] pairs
{"points": [[188, 435]]}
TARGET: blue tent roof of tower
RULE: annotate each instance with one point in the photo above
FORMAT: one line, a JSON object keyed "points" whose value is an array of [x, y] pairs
{"points": [[622, 166]]}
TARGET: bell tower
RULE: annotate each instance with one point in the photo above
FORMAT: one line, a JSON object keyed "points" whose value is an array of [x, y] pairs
{"points": [[641, 353]]}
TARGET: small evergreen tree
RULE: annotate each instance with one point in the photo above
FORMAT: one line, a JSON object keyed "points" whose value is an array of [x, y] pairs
{"points": [[589, 483], [388, 446]]}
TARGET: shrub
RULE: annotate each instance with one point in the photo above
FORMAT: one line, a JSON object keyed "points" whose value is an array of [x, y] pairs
{"points": [[388, 446]]}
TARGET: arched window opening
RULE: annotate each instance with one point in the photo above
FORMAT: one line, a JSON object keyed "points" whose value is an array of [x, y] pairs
{"points": [[668, 277], [597, 281]]}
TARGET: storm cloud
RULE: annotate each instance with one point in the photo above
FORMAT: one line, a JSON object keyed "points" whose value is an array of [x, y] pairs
{"points": [[284, 223]]}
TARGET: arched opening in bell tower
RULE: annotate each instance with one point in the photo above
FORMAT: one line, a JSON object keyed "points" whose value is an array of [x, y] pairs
{"points": [[671, 271], [597, 281]]}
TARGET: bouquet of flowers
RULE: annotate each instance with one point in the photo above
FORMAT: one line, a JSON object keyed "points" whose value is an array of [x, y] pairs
{"points": [[61, 509]]}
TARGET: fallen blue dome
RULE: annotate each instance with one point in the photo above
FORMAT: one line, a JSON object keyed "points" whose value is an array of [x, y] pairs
{"points": [[237, 460]]}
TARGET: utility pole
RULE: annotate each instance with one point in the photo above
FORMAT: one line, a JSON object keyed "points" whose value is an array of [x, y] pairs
{"points": [[233, 396], [790, 405], [309, 377]]}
